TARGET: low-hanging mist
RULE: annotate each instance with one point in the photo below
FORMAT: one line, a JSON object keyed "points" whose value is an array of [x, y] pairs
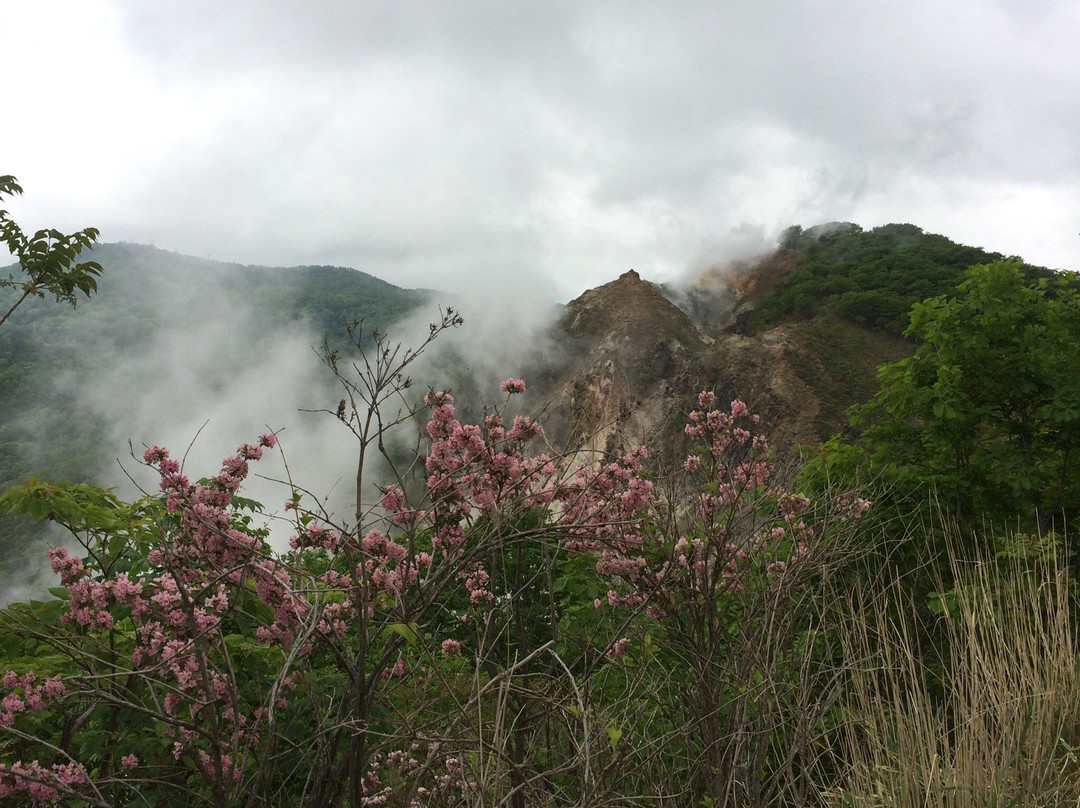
{"points": [[215, 369]]}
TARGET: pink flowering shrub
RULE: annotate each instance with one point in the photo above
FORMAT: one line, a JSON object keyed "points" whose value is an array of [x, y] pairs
{"points": [[185, 657], [512, 386], [147, 625], [729, 569], [731, 528]]}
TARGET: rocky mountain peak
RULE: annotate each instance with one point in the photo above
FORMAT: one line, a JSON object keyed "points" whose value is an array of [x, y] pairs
{"points": [[630, 307], [629, 360]]}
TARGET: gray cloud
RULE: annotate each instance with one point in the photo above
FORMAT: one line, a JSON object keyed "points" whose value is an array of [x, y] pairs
{"points": [[438, 144]]}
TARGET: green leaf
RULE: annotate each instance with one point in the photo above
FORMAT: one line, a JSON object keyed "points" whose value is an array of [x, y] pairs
{"points": [[943, 603], [614, 734], [409, 631]]}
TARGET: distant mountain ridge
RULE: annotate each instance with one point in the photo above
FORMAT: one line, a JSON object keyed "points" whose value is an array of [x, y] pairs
{"points": [[137, 276], [801, 329], [634, 362]]}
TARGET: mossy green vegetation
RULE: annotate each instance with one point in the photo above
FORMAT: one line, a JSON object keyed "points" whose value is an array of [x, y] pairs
{"points": [[869, 277], [987, 409]]}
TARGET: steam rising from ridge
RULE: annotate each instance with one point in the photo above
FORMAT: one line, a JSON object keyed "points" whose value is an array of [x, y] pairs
{"points": [[705, 291]]}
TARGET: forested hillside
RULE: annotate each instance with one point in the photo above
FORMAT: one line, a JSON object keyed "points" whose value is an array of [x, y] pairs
{"points": [[47, 349], [869, 277]]}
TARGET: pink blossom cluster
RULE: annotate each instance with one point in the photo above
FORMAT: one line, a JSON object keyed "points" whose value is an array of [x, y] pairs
{"points": [[41, 785], [205, 534], [387, 565], [732, 470], [316, 535], [382, 568], [605, 509], [705, 566], [32, 697], [606, 512], [474, 470], [476, 581], [852, 507], [471, 466], [478, 471], [90, 600], [445, 774], [729, 536], [205, 549], [717, 429]]}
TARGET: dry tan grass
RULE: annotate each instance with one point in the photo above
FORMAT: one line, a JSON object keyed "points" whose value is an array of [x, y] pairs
{"points": [[1000, 734]]}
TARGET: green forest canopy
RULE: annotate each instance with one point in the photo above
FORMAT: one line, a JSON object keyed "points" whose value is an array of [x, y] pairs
{"points": [[869, 277]]}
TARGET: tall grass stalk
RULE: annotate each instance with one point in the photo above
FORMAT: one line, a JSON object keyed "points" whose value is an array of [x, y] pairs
{"points": [[996, 730]]}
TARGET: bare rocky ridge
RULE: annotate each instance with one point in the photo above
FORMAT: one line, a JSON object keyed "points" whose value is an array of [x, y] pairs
{"points": [[633, 358], [633, 362]]}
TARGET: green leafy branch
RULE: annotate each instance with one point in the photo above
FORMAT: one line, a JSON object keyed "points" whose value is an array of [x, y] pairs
{"points": [[48, 258]]}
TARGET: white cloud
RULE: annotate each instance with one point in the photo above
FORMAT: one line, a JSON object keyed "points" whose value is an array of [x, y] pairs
{"points": [[443, 145]]}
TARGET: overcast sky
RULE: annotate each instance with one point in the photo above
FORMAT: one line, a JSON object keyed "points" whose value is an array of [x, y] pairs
{"points": [[443, 143]]}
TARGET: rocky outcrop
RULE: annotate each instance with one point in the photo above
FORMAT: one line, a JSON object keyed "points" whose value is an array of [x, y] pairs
{"points": [[629, 363], [630, 360]]}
